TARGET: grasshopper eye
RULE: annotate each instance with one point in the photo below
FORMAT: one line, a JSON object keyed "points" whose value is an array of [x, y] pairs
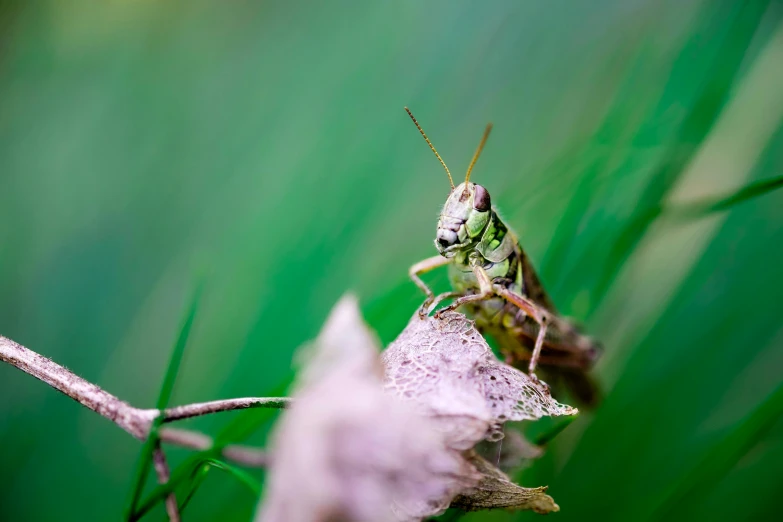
{"points": [[481, 201]]}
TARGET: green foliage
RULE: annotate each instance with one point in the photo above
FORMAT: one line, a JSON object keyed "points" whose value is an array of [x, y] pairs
{"points": [[167, 388], [189, 471], [719, 458], [266, 141], [200, 474], [745, 194]]}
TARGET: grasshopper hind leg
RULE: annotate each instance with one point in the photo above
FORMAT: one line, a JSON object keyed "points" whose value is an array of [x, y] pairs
{"points": [[488, 290], [579, 350]]}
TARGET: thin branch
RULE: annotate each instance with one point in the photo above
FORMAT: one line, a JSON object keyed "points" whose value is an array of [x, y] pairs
{"points": [[163, 473], [245, 455], [204, 408], [136, 421], [249, 456], [133, 420]]}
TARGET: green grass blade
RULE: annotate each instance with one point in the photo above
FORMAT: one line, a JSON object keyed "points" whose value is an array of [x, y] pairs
{"points": [[200, 474], [698, 124], [746, 193], [175, 362], [183, 472], [720, 459], [243, 477], [179, 350], [638, 224], [235, 431], [197, 479]]}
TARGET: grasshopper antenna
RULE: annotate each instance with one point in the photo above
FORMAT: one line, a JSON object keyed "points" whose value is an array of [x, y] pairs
{"points": [[432, 147], [478, 152]]}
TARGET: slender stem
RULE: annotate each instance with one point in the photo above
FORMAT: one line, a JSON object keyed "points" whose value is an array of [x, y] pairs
{"points": [[163, 473], [245, 455], [133, 420], [205, 408]]}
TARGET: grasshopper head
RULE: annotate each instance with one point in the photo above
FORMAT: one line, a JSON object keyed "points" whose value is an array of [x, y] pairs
{"points": [[463, 218], [467, 210]]}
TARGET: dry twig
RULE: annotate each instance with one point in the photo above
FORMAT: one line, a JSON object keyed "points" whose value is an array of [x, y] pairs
{"points": [[137, 421], [162, 470]]}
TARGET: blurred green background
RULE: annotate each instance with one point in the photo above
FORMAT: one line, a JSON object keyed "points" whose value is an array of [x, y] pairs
{"points": [[263, 147]]}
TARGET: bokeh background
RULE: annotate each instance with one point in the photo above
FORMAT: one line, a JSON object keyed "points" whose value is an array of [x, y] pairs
{"points": [[262, 147]]}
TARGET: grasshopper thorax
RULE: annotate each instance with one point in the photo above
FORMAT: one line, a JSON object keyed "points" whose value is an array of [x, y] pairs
{"points": [[463, 219]]}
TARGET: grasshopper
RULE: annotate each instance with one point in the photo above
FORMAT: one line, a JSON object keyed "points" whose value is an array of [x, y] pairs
{"points": [[493, 278]]}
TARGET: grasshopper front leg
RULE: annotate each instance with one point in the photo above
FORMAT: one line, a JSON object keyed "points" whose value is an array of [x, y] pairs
{"points": [[488, 290], [422, 267]]}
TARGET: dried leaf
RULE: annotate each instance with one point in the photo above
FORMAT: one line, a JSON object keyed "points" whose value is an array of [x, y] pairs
{"points": [[495, 490], [348, 451], [447, 368]]}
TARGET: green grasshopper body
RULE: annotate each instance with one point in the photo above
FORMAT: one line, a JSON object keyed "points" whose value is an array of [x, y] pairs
{"points": [[496, 283]]}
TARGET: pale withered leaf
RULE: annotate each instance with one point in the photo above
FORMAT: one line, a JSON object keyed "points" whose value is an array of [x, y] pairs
{"points": [[447, 368], [495, 490], [348, 451]]}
